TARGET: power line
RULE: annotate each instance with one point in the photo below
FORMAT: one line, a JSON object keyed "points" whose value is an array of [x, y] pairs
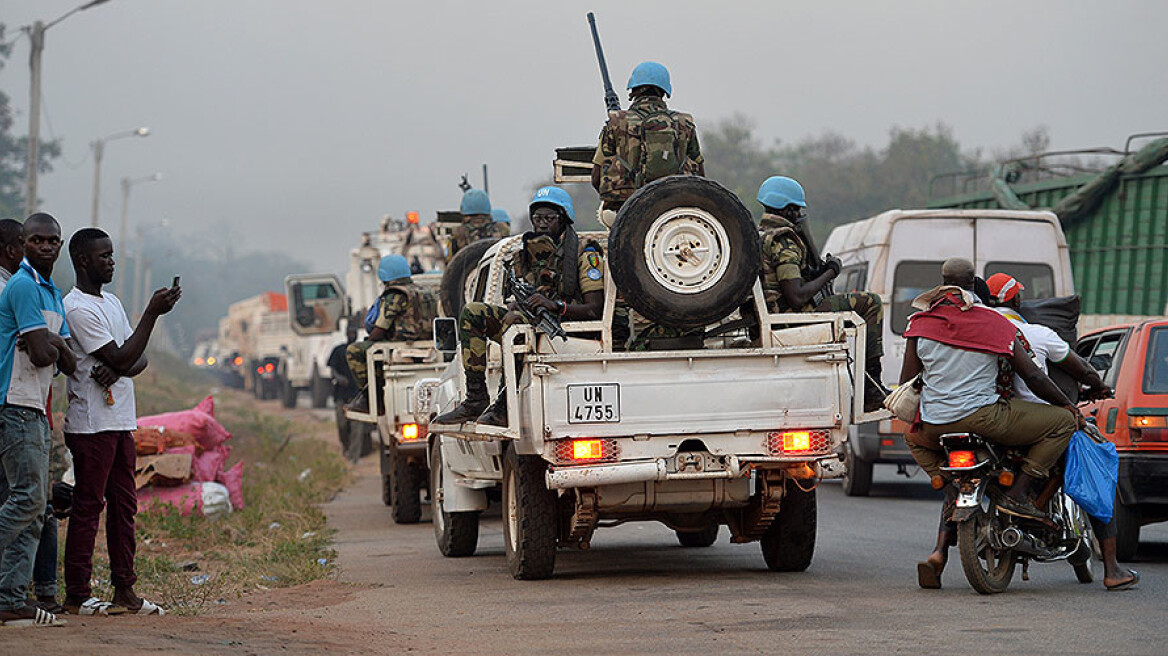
{"points": [[53, 137]]}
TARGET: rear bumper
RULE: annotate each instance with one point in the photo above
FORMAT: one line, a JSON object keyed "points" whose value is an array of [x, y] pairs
{"points": [[1143, 478], [658, 470]]}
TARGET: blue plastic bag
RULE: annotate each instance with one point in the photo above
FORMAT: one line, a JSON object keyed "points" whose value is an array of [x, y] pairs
{"points": [[1091, 474], [372, 315]]}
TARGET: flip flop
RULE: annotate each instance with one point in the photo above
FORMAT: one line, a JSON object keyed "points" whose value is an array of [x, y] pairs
{"points": [[148, 608], [94, 607], [927, 576], [41, 618], [1125, 585]]}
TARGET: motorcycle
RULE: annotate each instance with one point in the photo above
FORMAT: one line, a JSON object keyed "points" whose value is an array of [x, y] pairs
{"points": [[993, 543]]}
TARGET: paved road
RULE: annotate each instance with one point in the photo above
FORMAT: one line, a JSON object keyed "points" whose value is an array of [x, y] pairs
{"points": [[638, 591]]}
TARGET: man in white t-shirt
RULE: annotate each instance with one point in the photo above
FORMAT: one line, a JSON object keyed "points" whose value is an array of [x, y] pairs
{"points": [[1047, 346], [99, 425]]}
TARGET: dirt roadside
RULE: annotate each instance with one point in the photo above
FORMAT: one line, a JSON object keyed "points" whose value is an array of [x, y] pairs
{"points": [[325, 616]]}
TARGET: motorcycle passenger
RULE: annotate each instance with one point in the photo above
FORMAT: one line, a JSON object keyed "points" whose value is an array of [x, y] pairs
{"points": [[792, 281], [404, 312], [1005, 296], [570, 278], [967, 355]]}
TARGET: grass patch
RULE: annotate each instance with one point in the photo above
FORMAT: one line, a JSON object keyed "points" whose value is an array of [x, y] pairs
{"points": [[279, 539]]}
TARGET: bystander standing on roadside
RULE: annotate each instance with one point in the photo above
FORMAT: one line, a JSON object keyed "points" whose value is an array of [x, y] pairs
{"points": [[32, 344], [99, 425]]}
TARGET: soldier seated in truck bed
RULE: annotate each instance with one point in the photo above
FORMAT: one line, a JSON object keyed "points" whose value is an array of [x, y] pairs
{"points": [[570, 279], [403, 312]]}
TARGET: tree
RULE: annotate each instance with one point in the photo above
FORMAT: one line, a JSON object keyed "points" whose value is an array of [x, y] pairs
{"points": [[14, 150]]}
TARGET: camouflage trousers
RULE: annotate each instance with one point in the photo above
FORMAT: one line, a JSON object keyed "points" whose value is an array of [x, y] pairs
{"points": [[478, 324], [355, 356], [869, 307]]}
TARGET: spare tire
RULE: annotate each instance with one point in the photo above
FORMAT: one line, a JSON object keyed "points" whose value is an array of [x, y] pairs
{"points": [[684, 251], [452, 289]]}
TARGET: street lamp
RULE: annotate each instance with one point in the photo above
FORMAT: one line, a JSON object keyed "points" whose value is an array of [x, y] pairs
{"points": [[36, 36], [126, 184], [98, 151]]}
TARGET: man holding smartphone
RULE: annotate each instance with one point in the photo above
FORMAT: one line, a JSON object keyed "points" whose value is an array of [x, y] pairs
{"points": [[99, 425]]}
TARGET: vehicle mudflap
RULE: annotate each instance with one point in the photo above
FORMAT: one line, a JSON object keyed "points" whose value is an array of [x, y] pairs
{"points": [[750, 523]]}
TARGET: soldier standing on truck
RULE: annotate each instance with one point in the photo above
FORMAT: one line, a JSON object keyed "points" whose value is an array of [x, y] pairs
{"points": [[794, 280], [570, 279], [645, 142], [403, 313], [477, 222]]}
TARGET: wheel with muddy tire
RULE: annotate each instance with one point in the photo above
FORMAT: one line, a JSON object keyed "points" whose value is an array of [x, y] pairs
{"points": [[530, 518], [789, 542], [407, 490], [320, 388], [288, 393], [684, 251], [457, 533], [456, 278], [703, 538]]}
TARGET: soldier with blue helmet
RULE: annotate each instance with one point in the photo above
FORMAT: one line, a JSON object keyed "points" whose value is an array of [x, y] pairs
{"points": [[645, 142], [794, 280], [570, 278], [403, 313], [500, 215], [478, 222]]}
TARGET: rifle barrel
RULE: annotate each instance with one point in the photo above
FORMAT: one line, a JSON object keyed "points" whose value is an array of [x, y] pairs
{"points": [[611, 101]]}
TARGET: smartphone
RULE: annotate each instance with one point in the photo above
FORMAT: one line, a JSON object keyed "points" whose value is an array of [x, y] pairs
{"points": [[175, 283]]}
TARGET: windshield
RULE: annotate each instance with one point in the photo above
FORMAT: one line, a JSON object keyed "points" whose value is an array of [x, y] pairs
{"points": [[911, 280], [1156, 367]]}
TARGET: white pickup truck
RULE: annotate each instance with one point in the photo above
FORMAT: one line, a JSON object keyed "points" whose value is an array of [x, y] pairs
{"points": [[737, 433]]}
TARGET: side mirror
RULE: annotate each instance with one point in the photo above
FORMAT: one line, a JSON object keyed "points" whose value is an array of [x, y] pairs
{"points": [[446, 334]]}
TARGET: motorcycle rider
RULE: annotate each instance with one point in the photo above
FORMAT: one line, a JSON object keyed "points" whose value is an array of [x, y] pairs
{"points": [[1005, 293], [570, 278], [963, 351]]}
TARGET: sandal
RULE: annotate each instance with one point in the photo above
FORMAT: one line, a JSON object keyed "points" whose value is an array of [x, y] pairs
{"points": [[1125, 585], [94, 606], [147, 608], [47, 606], [40, 618]]}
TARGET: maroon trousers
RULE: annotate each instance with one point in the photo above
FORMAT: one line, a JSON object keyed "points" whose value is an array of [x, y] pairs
{"points": [[103, 465]]}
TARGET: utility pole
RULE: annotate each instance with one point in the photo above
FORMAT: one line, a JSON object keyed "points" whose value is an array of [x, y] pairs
{"points": [[98, 151], [127, 183], [36, 36]]}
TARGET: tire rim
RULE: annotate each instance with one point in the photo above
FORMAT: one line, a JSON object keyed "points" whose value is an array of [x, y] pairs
{"points": [[687, 250], [512, 510]]}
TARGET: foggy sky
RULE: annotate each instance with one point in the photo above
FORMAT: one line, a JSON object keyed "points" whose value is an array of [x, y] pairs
{"points": [[294, 125]]}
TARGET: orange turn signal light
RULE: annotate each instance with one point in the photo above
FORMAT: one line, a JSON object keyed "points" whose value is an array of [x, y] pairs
{"points": [[237, 361], [587, 449], [269, 367], [962, 459], [199, 362], [1142, 421], [211, 360], [796, 441], [410, 432], [1006, 478]]}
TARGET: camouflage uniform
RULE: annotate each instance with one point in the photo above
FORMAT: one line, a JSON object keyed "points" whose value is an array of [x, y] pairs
{"points": [[541, 263], [621, 156], [474, 228], [784, 257], [406, 314]]}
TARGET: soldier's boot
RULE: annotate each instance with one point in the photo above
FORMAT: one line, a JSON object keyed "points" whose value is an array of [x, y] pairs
{"points": [[874, 390], [496, 413], [472, 406], [360, 403]]}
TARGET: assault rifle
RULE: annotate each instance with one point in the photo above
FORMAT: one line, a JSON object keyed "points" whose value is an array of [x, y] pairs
{"points": [[816, 262], [545, 321], [611, 101]]}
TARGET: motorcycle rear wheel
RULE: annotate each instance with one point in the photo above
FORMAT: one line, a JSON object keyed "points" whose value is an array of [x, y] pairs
{"points": [[987, 569]]}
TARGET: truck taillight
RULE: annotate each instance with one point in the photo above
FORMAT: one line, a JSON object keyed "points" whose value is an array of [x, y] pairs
{"points": [[799, 442], [586, 450], [412, 432], [259, 370], [199, 362], [237, 361], [962, 459], [211, 360], [1147, 428], [269, 368]]}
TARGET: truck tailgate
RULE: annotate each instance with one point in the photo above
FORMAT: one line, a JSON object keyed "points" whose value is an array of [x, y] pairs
{"points": [[690, 392]]}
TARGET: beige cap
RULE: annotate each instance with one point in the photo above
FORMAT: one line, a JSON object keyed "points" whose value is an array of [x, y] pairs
{"points": [[957, 268]]}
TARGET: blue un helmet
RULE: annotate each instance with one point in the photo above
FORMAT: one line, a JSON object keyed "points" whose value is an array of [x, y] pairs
{"points": [[779, 191], [393, 267], [500, 215], [475, 201], [651, 74], [557, 198]]}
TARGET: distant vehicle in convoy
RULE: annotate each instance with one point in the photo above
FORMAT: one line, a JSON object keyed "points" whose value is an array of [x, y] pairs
{"points": [[254, 335], [898, 254], [1132, 359], [691, 438]]}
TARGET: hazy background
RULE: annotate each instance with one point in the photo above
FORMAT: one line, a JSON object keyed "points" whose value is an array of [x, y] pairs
{"points": [[290, 126]]}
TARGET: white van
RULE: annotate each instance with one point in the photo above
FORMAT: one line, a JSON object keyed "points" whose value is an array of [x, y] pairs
{"points": [[898, 255]]}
